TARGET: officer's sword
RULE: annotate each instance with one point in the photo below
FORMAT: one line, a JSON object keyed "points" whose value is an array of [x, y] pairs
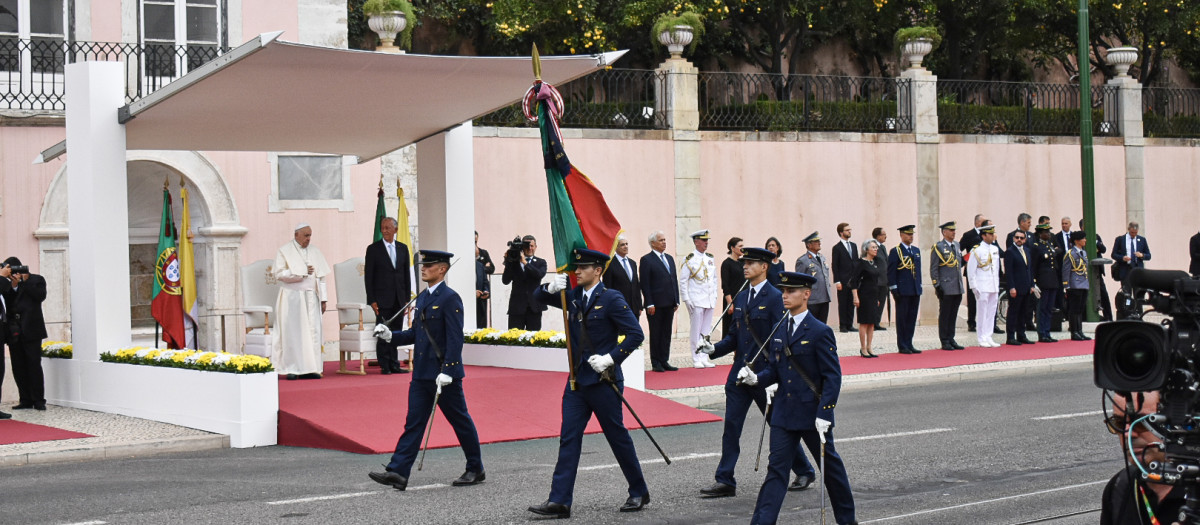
{"points": [[726, 310], [429, 430], [763, 433], [822, 435], [414, 299], [767, 340], [607, 377]]}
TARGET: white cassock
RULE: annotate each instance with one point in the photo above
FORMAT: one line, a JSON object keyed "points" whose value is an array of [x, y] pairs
{"points": [[983, 271], [298, 335], [698, 291]]}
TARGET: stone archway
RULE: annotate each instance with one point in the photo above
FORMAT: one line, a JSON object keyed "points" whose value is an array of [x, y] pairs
{"points": [[216, 228]]}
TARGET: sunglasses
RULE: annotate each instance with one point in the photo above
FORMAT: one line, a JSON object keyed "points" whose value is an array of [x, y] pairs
{"points": [[1117, 424]]}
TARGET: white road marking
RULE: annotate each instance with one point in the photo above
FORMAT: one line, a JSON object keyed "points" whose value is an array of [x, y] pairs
{"points": [[93, 522], [657, 460], [895, 434], [1065, 416], [430, 486], [321, 498], [986, 501]]}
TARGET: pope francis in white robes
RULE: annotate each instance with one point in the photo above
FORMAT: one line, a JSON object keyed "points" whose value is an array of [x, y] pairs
{"points": [[300, 270]]}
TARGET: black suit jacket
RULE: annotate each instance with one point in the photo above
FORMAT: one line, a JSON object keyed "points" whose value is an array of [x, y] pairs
{"points": [[615, 278], [970, 239], [1194, 251], [1062, 244], [843, 262], [24, 307], [1122, 268], [387, 287], [524, 282], [660, 286], [1008, 243], [1020, 275]]}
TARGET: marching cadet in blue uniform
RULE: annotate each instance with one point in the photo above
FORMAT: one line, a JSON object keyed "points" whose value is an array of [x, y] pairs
{"points": [[1075, 282], [598, 316], [904, 280], [804, 371], [947, 282], [437, 373], [1047, 257], [756, 312]]}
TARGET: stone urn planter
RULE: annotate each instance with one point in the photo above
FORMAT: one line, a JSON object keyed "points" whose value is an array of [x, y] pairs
{"points": [[1120, 58], [915, 50], [387, 25], [677, 38]]}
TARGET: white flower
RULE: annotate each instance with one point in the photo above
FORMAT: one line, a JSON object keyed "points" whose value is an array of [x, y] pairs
{"points": [[222, 358], [143, 352]]}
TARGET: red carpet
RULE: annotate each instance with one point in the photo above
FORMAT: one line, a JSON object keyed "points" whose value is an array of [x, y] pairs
{"points": [[696, 377], [20, 432], [365, 414]]}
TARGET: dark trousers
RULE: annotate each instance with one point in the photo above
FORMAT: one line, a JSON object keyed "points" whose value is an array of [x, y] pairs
{"points": [[453, 404], [1105, 305], [481, 306], [1031, 306], [737, 404], [820, 311], [845, 298], [947, 315], [27, 371], [1050, 298], [784, 445], [577, 408], [1015, 317], [531, 321], [906, 320], [1076, 302], [660, 334], [385, 352]]}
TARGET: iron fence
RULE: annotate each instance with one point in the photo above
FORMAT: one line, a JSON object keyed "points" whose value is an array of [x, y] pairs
{"points": [[771, 102], [609, 98], [32, 71], [1021, 108], [1171, 112]]}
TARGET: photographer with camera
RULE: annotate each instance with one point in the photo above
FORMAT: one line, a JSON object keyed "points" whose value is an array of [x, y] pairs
{"points": [[1129, 499], [24, 330], [525, 272]]}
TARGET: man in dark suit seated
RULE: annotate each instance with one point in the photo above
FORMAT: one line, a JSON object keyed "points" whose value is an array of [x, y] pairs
{"points": [[389, 288], [524, 271], [622, 276], [24, 328], [660, 293]]}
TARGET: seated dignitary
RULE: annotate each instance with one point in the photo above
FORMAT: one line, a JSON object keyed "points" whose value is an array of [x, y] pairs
{"points": [[757, 311], [437, 332], [802, 355], [598, 316]]}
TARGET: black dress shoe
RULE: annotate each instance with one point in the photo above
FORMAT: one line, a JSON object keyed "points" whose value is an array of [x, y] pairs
{"points": [[669, 368], [39, 406], [635, 503], [844, 330], [397, 481], [386, 372], [880, 328], [970, 328], [398, 370], [718, 490], [997, 331], [658, 369], [947, 346], [292, 377], [1075, 336], [23, 406], [912, 350], [5, 415], [905, 351], [801, 483], [469, 478], [550, 508], [1025, 340], [1047, 339], [311, 375], [956, 345], [1012, 342], [1084, 337]]}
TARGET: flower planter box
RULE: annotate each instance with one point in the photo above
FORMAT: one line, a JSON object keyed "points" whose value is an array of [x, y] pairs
{"points": [[546, 359], [243, 406]]}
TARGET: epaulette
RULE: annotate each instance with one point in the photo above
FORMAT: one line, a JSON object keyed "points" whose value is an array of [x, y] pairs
{"points": [[710, 256], [689, 257]]}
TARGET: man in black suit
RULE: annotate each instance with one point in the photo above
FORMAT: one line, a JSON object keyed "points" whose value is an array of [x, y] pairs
{"points": [[525, 272], [970, 239], [1020, 288], [1062, 239], [660, 295], [483, 288], [622, 276], [845, 255], [388, 288], [1194, 252], [24, 330], [1024, 225], [1129, 251]]}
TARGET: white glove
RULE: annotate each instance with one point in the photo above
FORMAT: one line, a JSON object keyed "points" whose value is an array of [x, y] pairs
{"points": [[442, 380], [383, 332], [822, 428], [705, 347], [746, 376], [558, 284], [771, 392], [600, 362]]}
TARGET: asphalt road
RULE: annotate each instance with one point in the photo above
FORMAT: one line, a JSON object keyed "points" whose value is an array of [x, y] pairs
{"points": [[963, 452]]}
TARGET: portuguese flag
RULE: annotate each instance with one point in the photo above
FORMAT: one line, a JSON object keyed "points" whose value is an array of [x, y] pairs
{"points": [[166, 304]]}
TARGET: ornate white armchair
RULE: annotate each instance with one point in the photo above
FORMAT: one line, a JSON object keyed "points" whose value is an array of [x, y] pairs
{"points": [[259, 293], [356, 319]]}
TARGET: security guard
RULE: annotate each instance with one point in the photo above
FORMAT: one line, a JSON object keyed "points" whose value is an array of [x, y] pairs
{"points": [[437, 330], [1075, 281], [904, 280], [804, 369], [698, 291], [598, 316], [1047, 260], [813, 263], [946, 276], [756, 312]]}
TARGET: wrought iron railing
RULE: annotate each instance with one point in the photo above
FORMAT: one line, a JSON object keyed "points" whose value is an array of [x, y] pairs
{"points": [[1021, 108], [31, 71], [610, 98], [769, 102], [1171, 112]]}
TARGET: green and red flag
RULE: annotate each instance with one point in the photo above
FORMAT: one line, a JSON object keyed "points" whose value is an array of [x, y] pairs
{"points": [[380, 213], [166, 303]]}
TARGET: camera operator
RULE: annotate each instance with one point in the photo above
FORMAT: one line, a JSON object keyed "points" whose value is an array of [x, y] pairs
{"points": [[1128, 499], [24, 330], [525, 272]]}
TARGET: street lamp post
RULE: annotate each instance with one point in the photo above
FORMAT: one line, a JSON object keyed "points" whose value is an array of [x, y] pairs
{"points": [[1085, 151]]}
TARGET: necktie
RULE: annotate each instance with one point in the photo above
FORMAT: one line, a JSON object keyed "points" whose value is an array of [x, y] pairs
{"points": [[791, 326], [752, 292], [847, 244], [628, 270], [663, 256], [391, 248], [1023, 257]]}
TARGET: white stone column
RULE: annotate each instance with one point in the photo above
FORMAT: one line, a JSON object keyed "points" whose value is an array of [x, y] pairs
{"points": [[446, 185], [922, 98], [678, 99], [98, 237], [1128, 107]]}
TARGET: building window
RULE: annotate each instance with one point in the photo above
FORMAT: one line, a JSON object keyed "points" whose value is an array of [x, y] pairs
{"points": [[32, 33], [179, 35], [310, 181]]}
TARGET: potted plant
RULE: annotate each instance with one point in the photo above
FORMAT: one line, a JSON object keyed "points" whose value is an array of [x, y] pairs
{"points": [[389, 18], [677, 31], [916, 42]]}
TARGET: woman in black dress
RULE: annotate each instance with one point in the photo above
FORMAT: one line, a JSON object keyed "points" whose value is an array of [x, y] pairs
{"points": [[775, 267], [732, 279], [869, 288]]}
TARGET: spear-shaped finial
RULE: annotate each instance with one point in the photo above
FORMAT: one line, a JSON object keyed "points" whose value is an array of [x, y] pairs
{"points": [[537, 65]]}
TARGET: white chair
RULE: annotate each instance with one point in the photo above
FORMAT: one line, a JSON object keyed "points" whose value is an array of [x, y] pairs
{"points": [[259, 293], [356, 319]]}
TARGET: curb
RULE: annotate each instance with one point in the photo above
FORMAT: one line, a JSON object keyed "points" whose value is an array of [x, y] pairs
{"points": [[85, 452]]}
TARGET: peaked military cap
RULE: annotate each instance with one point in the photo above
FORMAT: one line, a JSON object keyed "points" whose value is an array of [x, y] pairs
{"points": [[586, 257], [812, 237], [907, 229], [434, 257], [1078, 235], [991, 228], [796, 280], [948, 226], [700, 234], [757, 254], [1042, 227]]}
